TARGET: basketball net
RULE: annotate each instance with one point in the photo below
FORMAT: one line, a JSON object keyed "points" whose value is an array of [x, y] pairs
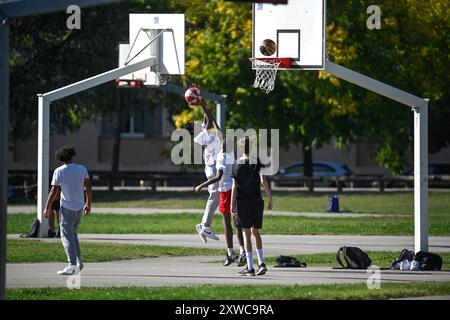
{"points": [[266, 72]]}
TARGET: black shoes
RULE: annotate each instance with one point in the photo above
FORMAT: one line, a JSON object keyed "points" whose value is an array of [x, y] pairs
{"points": [[229, 260], [247, 273], [262, 269], [242, 261]]}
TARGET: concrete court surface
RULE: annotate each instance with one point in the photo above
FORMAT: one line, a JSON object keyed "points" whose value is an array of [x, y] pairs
{"points": [[194, 270], [207, 270]]}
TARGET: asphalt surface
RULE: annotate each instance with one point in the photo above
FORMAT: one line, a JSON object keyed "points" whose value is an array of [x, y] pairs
{"points": [[193, 270], [176, 271]]}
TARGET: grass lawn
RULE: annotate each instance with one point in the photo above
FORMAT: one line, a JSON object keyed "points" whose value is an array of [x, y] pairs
{"points": [[389, 202], [225, 292], [185, 223], [42, 251]]}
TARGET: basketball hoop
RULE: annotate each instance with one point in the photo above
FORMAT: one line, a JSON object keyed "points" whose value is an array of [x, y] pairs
{"points": [[266, 71], [129, 83]]}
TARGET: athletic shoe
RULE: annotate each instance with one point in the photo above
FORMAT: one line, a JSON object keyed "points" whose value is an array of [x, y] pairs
{"points": [[242, 260], [247, 273], [207, 232], [229, 260], [80, 265], [262, 269], [199, 230], [68, 271]]}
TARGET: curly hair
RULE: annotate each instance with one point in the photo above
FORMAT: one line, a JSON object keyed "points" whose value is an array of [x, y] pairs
{"points": [[65, 154]]}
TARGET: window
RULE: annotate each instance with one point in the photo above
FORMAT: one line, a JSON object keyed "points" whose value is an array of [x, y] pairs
{"points": [[319, 168]]}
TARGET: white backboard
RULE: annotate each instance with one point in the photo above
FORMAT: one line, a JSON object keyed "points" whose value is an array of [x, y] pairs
{"points": [[298, 29], [168, 48]]}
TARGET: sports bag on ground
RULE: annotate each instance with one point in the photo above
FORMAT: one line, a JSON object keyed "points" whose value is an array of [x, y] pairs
{"points": [[405, 254], [34, 229], [289, 262], [429, 261], [353, 258]]}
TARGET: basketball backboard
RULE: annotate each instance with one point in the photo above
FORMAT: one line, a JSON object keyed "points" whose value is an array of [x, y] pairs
{"points": [[168, 48], [298, 29]]}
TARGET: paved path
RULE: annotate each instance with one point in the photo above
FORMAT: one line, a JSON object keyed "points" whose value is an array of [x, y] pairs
{"points": [[194, 271], [274, 245], [32, 209]]}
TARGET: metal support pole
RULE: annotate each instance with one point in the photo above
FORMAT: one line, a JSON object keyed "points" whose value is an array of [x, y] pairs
{"points": [[43, 162], [220, 114], [4, 126], [421, 178], [420, 108]]}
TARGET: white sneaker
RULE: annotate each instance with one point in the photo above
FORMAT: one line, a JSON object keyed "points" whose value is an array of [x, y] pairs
{"points": [[80, 265], [207, 232], [68, 271], [199, 228]]}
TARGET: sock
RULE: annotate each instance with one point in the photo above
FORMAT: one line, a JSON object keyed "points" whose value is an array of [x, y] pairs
{"points": [[241, 250], [231, 252], [249, 260], [260, 254]]}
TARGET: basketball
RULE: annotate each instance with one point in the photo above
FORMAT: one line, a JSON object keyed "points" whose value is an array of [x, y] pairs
{"points": [[268, 47], [192, 95]]}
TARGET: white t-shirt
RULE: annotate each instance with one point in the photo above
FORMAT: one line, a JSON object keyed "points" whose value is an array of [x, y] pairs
{"points": [[70, 178], [225, 163], [211, 151]]}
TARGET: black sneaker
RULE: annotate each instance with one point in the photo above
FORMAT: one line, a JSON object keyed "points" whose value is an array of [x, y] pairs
{"points": [[246, 272], [242, 260], [262, 269], [229, 260]]}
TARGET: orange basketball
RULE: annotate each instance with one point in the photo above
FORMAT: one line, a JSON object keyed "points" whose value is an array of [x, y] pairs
{"points": [[268, 47]]}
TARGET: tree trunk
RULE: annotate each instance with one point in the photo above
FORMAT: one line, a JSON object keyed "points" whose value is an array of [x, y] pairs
{"points": [[116, 144], [307, 165]]}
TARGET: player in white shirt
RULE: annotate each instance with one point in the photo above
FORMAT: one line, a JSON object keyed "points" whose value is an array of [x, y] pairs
{"points": [[69, 180], [211, 141]]}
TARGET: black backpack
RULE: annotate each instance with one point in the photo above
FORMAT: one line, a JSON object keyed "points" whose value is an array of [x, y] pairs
{"points": [[405, 254], [34, 229], [289, 262], [353, 257], [429, 261]]}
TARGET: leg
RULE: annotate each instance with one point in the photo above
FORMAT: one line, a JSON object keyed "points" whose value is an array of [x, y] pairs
{"points": [[257, 236], [211, 206], [228, 230], [67, 235], [248, 247], [77, 242]]}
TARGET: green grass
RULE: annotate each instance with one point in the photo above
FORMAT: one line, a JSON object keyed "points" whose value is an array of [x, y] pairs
{"points": [[19, 251], [226, 292], [293, 225], [387, 203]]}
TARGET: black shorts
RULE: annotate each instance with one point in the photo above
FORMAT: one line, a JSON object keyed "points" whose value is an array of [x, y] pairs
{"points": [[249, 213]]}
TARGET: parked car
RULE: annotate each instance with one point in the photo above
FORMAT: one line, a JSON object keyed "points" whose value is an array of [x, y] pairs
{"points": [[321, 169]]}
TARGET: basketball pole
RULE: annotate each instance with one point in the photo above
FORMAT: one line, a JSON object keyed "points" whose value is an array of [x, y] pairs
{"points": [[44, 103], [420, 109]]}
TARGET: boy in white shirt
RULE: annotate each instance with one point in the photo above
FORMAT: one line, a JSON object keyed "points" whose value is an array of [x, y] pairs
{"points": [[69, 180]]}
